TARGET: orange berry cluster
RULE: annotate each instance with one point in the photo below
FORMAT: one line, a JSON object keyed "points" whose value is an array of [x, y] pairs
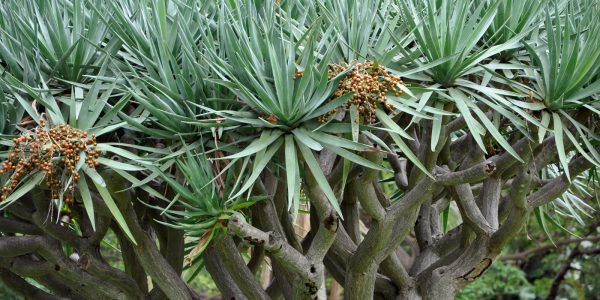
{"points": [[370, 83], [53, 150], [298, 74]]}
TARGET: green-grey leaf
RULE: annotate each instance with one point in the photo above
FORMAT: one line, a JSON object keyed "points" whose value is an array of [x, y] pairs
{"points": [[316, 171], [114, 210], [560, 146], [86, 197]]}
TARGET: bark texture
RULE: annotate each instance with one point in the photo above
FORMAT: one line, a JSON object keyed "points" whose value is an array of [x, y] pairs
{"points": [[381, 248]]}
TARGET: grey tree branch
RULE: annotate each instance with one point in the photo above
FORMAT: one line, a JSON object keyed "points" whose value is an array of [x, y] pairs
{"points": [[155, 265], [559, 185], [365, 193], [220, 275], [265, 218], [490, 199], [471, 175], [548, 247], [400, 173], [469, 210], [236, 267], [559, 277], [27, 266], [324, 238], [310, 281], [256, 260], [54, 285], [132, 265], [505, 160], [410, 199], [272, 242], [423, 226], [281, 206], [392, 267], [350, 210], [518, 213], [90, 259], [27, 290], [376, 246], [153, 262], [15, 226], [73, 276]]}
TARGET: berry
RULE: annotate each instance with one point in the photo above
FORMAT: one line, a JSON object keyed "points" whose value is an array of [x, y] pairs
{"points": [[54, 150], [370, 84]]}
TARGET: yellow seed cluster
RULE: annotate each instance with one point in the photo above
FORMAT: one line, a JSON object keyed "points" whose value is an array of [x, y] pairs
{"points": [[298, 74], [370, 84], [54, 151]]}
